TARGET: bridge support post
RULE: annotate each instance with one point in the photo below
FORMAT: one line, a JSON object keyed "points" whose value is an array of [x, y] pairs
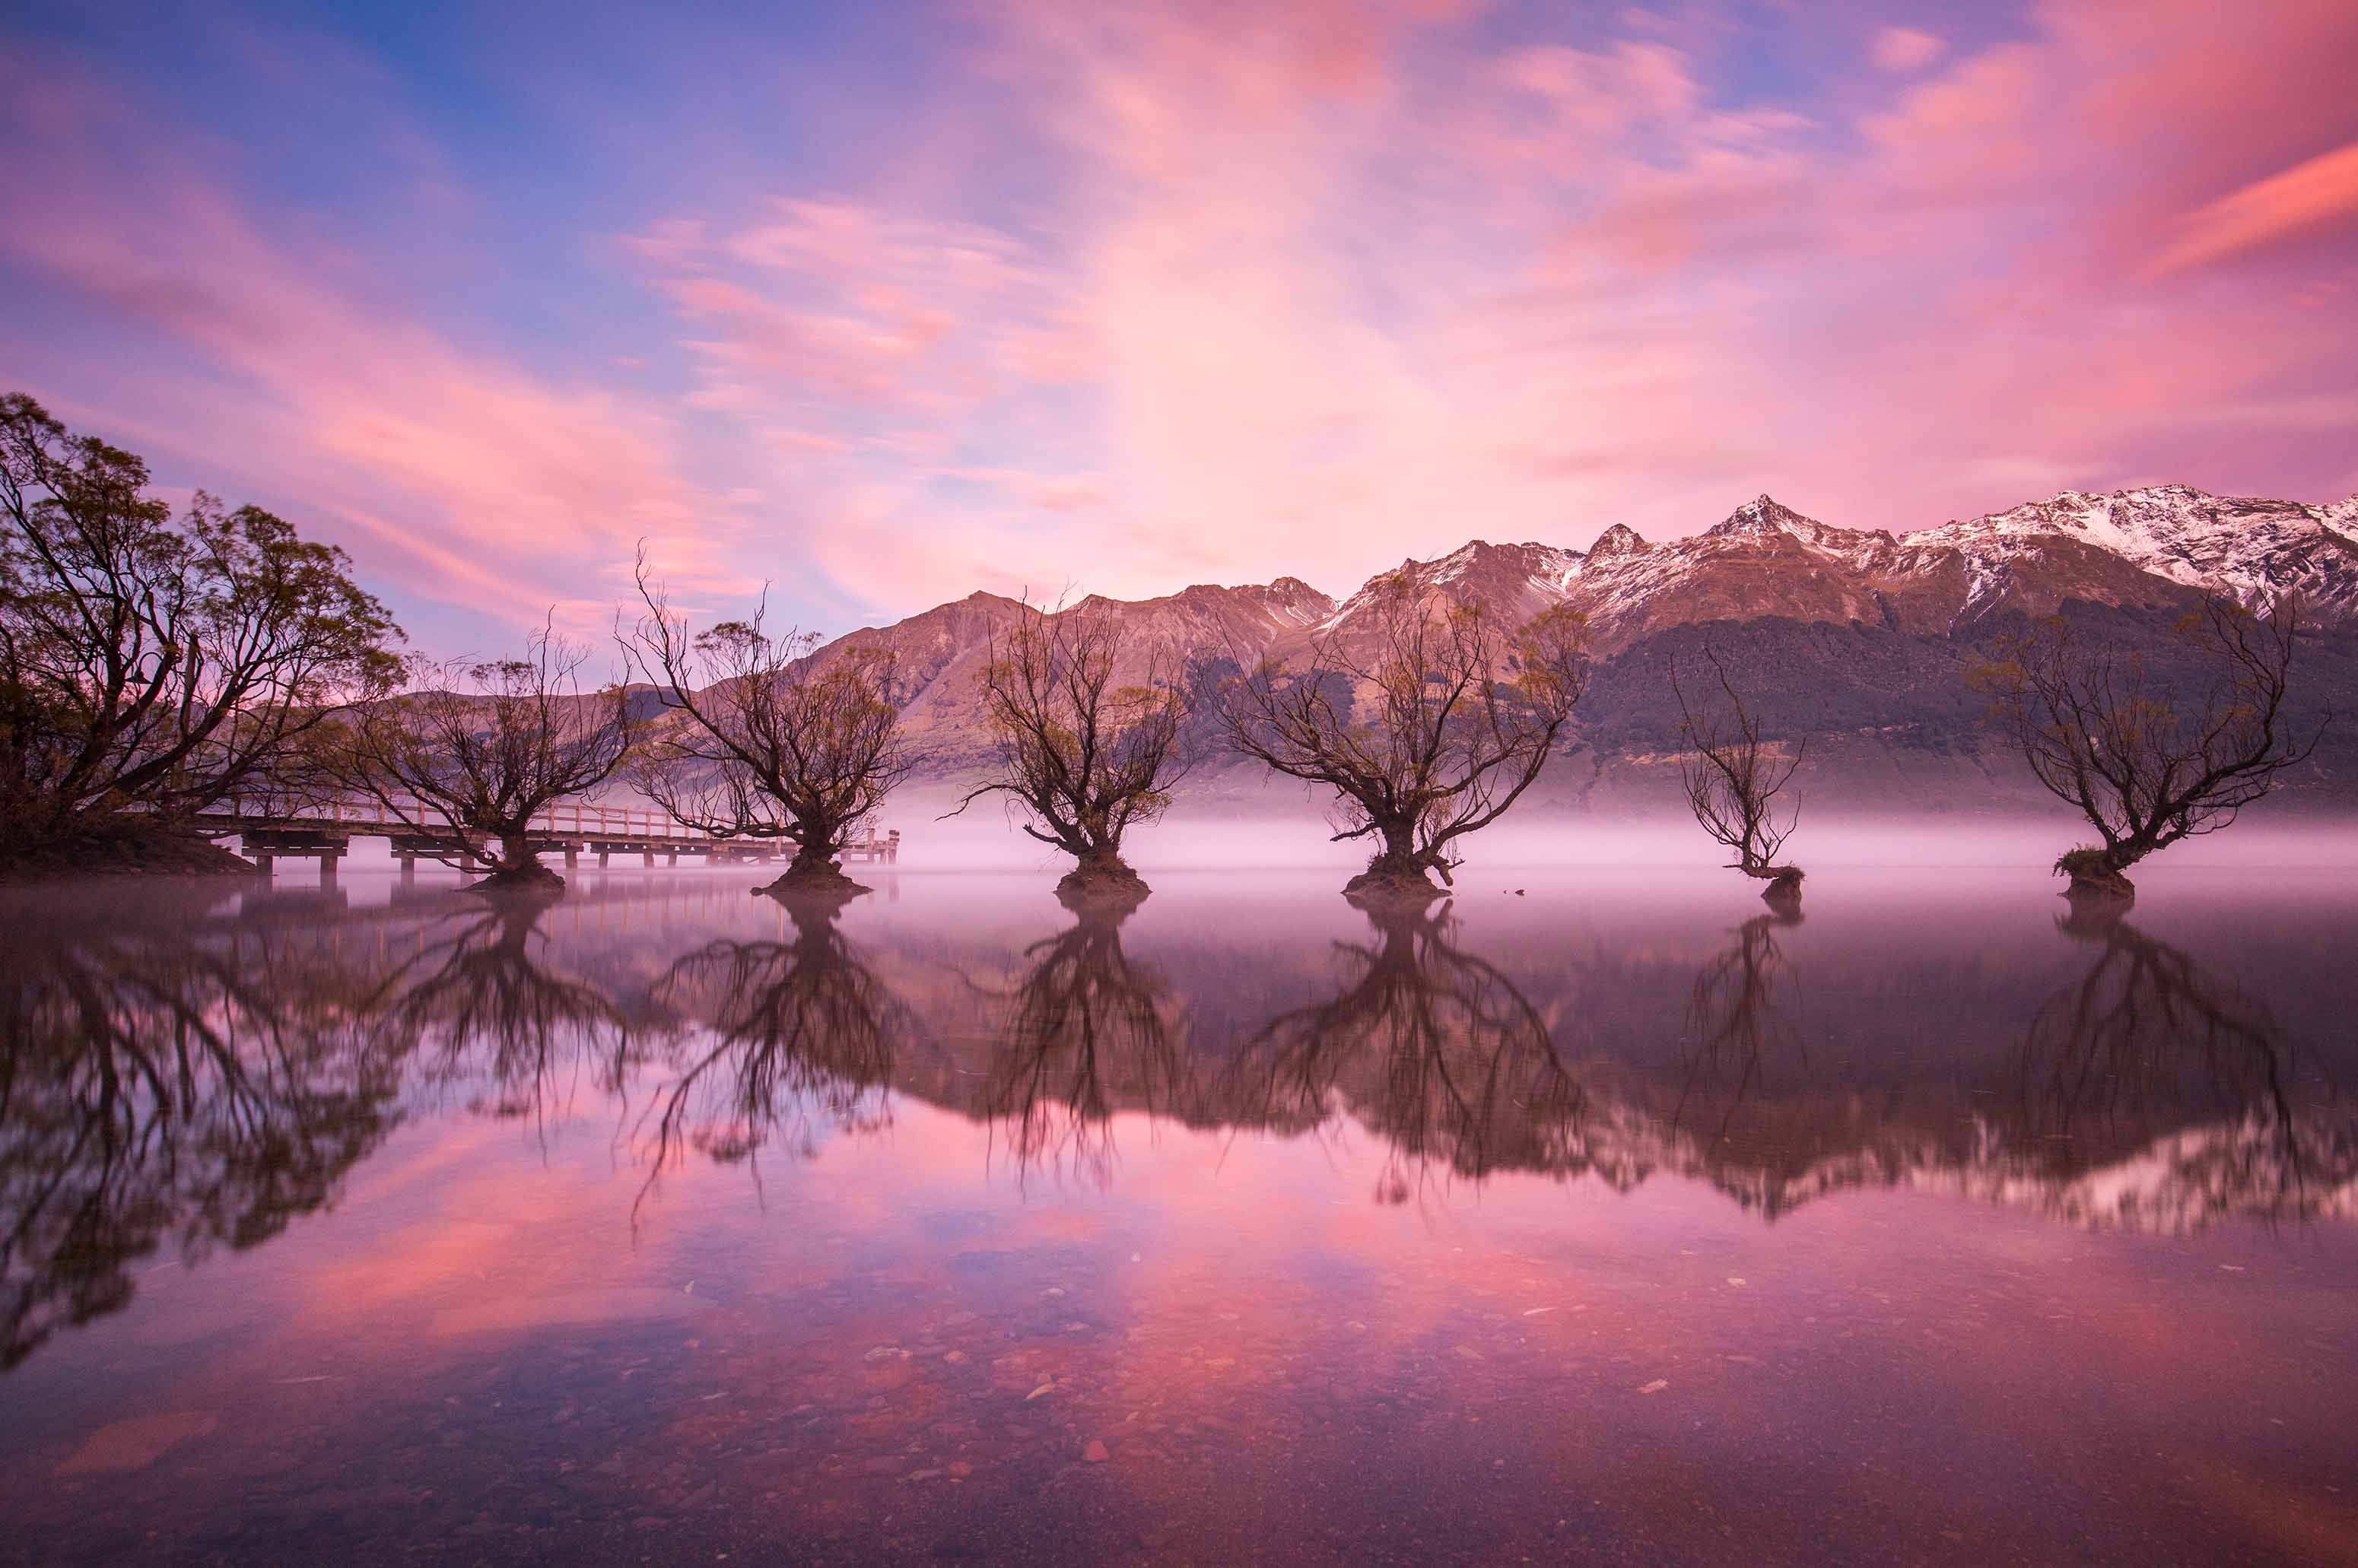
{"points": [[328, 859], [649, 859], [263, 861], [408, 870], [601, 859], [572, 853], [675, 858]]}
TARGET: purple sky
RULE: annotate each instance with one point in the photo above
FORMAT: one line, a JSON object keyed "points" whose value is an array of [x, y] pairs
{"points": [[885, 303]]}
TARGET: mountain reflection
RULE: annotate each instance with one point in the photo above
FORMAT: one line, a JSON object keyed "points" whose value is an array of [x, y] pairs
{"points": [[1092, 1032], [797, 1033], [158, 1087], [1432, 1050], [2151, 1095], [185, 1077]]}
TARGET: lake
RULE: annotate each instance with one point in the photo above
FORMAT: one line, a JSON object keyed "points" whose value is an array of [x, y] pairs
{"points": [[1598, 1215]]}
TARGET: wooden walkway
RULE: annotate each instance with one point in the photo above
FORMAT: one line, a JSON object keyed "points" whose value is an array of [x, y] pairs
{"points": [[325, 833]]}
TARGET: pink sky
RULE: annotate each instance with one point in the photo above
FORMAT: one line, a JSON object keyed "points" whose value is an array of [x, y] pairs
{"points": [[1129, 297]]}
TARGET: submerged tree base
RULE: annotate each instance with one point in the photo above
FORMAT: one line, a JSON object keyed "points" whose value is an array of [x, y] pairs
{"points": [[2093, 877], [820, 880], [1784, 884], [533, 879], [1102, 886], [128, 853], [1392, 887]]}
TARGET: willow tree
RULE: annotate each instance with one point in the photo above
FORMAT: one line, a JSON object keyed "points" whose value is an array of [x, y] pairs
{"points": [[1732, 778], [1428, 720], [475, 751], [154, 667], [2150, 756], [767, 741], [1083, 754]]}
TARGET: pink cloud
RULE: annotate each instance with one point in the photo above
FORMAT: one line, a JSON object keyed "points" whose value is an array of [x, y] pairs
{"points": [[1345, 291], [1217, 289], [1902, 50], [450, 472], [2307, 198]]}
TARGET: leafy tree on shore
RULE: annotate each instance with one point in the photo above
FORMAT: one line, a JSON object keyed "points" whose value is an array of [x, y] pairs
{"points": [[152, 667]]}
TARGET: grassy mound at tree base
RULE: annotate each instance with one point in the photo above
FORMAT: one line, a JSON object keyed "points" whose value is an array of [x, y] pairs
{"points": [[1102, 888], [533, 879], [804, 880], [1392, 889], [2092, 875]]}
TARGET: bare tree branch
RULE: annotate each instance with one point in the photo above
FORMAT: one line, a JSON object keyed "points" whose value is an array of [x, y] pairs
{"points": [[1733, 777], [1427, 736], [476, 750], [2145, 763], [766, 742], [1083, 758]]}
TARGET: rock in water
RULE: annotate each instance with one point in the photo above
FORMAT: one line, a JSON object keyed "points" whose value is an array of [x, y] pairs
{"points": [[135, 1444]]}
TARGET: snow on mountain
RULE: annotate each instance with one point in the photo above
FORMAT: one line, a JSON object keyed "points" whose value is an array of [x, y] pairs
{"points": [[2249, 548], [1516, 581], [2139, 548], [2145, 549]]}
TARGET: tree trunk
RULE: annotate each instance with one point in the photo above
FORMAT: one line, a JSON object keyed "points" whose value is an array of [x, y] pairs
{"points": [[1399, 872], [517, 865], [2096, 873], [1102, 879], [815, 871]]}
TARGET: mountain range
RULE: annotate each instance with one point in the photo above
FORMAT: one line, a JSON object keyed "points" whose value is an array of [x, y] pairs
{"points": [[1856, 638]]}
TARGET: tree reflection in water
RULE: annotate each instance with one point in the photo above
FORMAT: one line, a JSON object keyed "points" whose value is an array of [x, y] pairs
{"points": [[798, 1033], [480, 1003], [1431, 1049], [1092, 1032], [1736, 1019], [2149, 1057], [161, 1086]]}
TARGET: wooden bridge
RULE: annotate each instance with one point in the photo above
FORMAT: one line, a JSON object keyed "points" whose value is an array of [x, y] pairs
{"points": [[325, 832]]}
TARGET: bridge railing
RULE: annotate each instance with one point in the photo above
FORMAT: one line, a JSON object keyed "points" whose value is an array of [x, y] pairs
{"points": [[567, 819]]}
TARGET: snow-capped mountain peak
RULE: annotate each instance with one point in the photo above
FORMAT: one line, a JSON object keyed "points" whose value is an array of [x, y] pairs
{"points": [[2250, 547], [1764, 514], [1514, 581], [1616, 541]]}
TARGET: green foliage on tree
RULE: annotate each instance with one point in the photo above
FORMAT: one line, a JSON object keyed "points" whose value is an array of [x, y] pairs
{"points": [[152, 666]]}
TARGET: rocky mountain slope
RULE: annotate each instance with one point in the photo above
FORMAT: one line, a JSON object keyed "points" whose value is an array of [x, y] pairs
{"points": [[1858, 637]]}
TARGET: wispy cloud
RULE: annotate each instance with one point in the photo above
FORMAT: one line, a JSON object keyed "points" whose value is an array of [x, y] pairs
{"points": [[1129, 297]]}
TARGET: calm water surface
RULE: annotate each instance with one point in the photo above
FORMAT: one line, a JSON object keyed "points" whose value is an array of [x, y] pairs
{"points": [[1614, 1221]]}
